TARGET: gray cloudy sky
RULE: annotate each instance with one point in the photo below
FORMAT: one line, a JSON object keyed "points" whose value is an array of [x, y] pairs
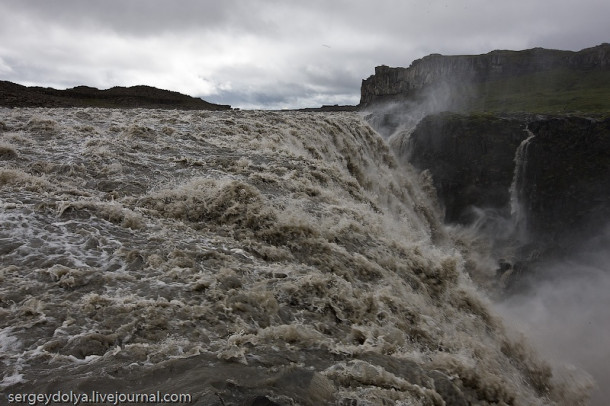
{"points": [[270, 54]]}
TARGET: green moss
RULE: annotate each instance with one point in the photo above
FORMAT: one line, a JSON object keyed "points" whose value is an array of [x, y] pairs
{"points": [[555, 91]]}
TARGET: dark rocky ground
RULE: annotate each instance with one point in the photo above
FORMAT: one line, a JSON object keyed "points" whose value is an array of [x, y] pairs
{"points": [[14, 95]]}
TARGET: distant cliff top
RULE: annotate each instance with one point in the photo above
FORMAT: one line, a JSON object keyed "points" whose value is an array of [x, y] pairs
{"points": [[14, 95], [534, 79]]}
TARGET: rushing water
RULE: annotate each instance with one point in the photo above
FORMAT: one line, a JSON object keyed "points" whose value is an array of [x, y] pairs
{"points": [[516, 189], [231, 255]]}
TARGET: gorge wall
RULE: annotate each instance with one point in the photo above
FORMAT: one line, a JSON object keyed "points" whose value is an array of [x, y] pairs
{"points": [[564, 178], [470, 157], [567, 189]]}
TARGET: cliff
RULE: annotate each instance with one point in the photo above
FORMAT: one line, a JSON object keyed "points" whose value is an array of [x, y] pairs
{"points": [[471, 159], [491, 76], [566, 195], [14, 95], [563, 182]]}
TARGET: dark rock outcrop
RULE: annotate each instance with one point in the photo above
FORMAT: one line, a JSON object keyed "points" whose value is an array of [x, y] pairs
{"points": [[14, 95], [566, 195], [329, 107], [470, 157], [565, 188]]}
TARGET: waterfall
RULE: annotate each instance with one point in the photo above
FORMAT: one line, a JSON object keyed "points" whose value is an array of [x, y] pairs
{"points": [[240, 255], [517, 211]]}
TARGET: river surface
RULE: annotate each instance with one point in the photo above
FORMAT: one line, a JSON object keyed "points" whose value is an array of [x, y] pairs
{"points": [[235, 255]]}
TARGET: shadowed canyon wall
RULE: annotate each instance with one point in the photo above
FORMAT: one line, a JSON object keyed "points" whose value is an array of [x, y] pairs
{"points": [[564, 182]]}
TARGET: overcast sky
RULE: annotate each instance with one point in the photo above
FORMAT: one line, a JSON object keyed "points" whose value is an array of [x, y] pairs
{"points": [[270, 54]]}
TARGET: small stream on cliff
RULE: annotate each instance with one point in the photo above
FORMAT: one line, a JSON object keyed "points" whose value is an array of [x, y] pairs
{"points": [[518, 218]]}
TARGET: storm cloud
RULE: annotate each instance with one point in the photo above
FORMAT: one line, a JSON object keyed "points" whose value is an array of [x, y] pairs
{"points": [[269, 54]]}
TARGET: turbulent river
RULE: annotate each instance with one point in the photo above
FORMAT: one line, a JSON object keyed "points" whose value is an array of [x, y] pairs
{"points": [[241, 257]]}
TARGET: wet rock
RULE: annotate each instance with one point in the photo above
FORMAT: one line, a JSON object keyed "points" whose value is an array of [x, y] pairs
{"points": [[503, 267]]}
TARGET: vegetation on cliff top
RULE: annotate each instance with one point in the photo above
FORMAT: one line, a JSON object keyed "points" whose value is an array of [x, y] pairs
{"points": [[535, 80], [554, 92]]}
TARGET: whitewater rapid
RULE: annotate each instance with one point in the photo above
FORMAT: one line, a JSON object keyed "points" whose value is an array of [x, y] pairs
{"points": [[239, 254]]}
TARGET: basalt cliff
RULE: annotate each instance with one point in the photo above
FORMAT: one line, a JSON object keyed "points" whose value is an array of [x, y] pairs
{"points": [[497, 80], [556, 168]]}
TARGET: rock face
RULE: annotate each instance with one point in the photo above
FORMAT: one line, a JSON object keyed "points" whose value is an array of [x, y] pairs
{"points": [[567, 190], [14, 95], [565, 186], [470, 157], [457, 71]]}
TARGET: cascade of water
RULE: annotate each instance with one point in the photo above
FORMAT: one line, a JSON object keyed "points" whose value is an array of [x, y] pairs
{"points": [[209, 251], [517, 212]]}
